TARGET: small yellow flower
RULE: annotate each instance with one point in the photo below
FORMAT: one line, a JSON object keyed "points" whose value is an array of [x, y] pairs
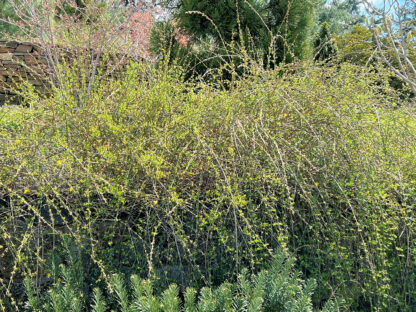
{"points": [[71, 189], [18, 141], [49, 274], [26, 191], [59, 162], [317, 183]]}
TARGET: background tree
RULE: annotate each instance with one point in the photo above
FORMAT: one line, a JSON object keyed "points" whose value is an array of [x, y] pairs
{"points": [[291, 21], [325, 46], [356, 46], [341, 15], [167, 41], [6, 12], [284, 26], [219, 19], [393, 25]]}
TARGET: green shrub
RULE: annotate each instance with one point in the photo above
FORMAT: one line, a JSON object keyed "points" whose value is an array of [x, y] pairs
{"points": [[158, 177], [277, 289]]}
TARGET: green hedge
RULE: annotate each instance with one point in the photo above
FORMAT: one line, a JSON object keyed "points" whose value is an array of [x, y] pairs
{"points": [[191, 182]]}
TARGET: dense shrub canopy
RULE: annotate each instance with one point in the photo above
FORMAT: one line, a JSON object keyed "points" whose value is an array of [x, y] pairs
{"points": [[225, 144], [191, 183]]}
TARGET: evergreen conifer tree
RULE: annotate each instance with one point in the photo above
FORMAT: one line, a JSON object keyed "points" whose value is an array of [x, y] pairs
{"points": [[290, 21], [325, 47]]}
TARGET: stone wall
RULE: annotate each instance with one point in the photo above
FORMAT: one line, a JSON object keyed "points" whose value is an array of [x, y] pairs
{"points": [[25, 61], [20, 61]]}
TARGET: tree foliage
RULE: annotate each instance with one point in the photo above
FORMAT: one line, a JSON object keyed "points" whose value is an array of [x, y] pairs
{"points": [[341, 15], [6, 13], [283, 27], [325, 47], [356, 46]]}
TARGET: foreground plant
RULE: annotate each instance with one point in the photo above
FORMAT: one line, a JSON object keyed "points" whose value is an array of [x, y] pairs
{"points": [[277, 289]]}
